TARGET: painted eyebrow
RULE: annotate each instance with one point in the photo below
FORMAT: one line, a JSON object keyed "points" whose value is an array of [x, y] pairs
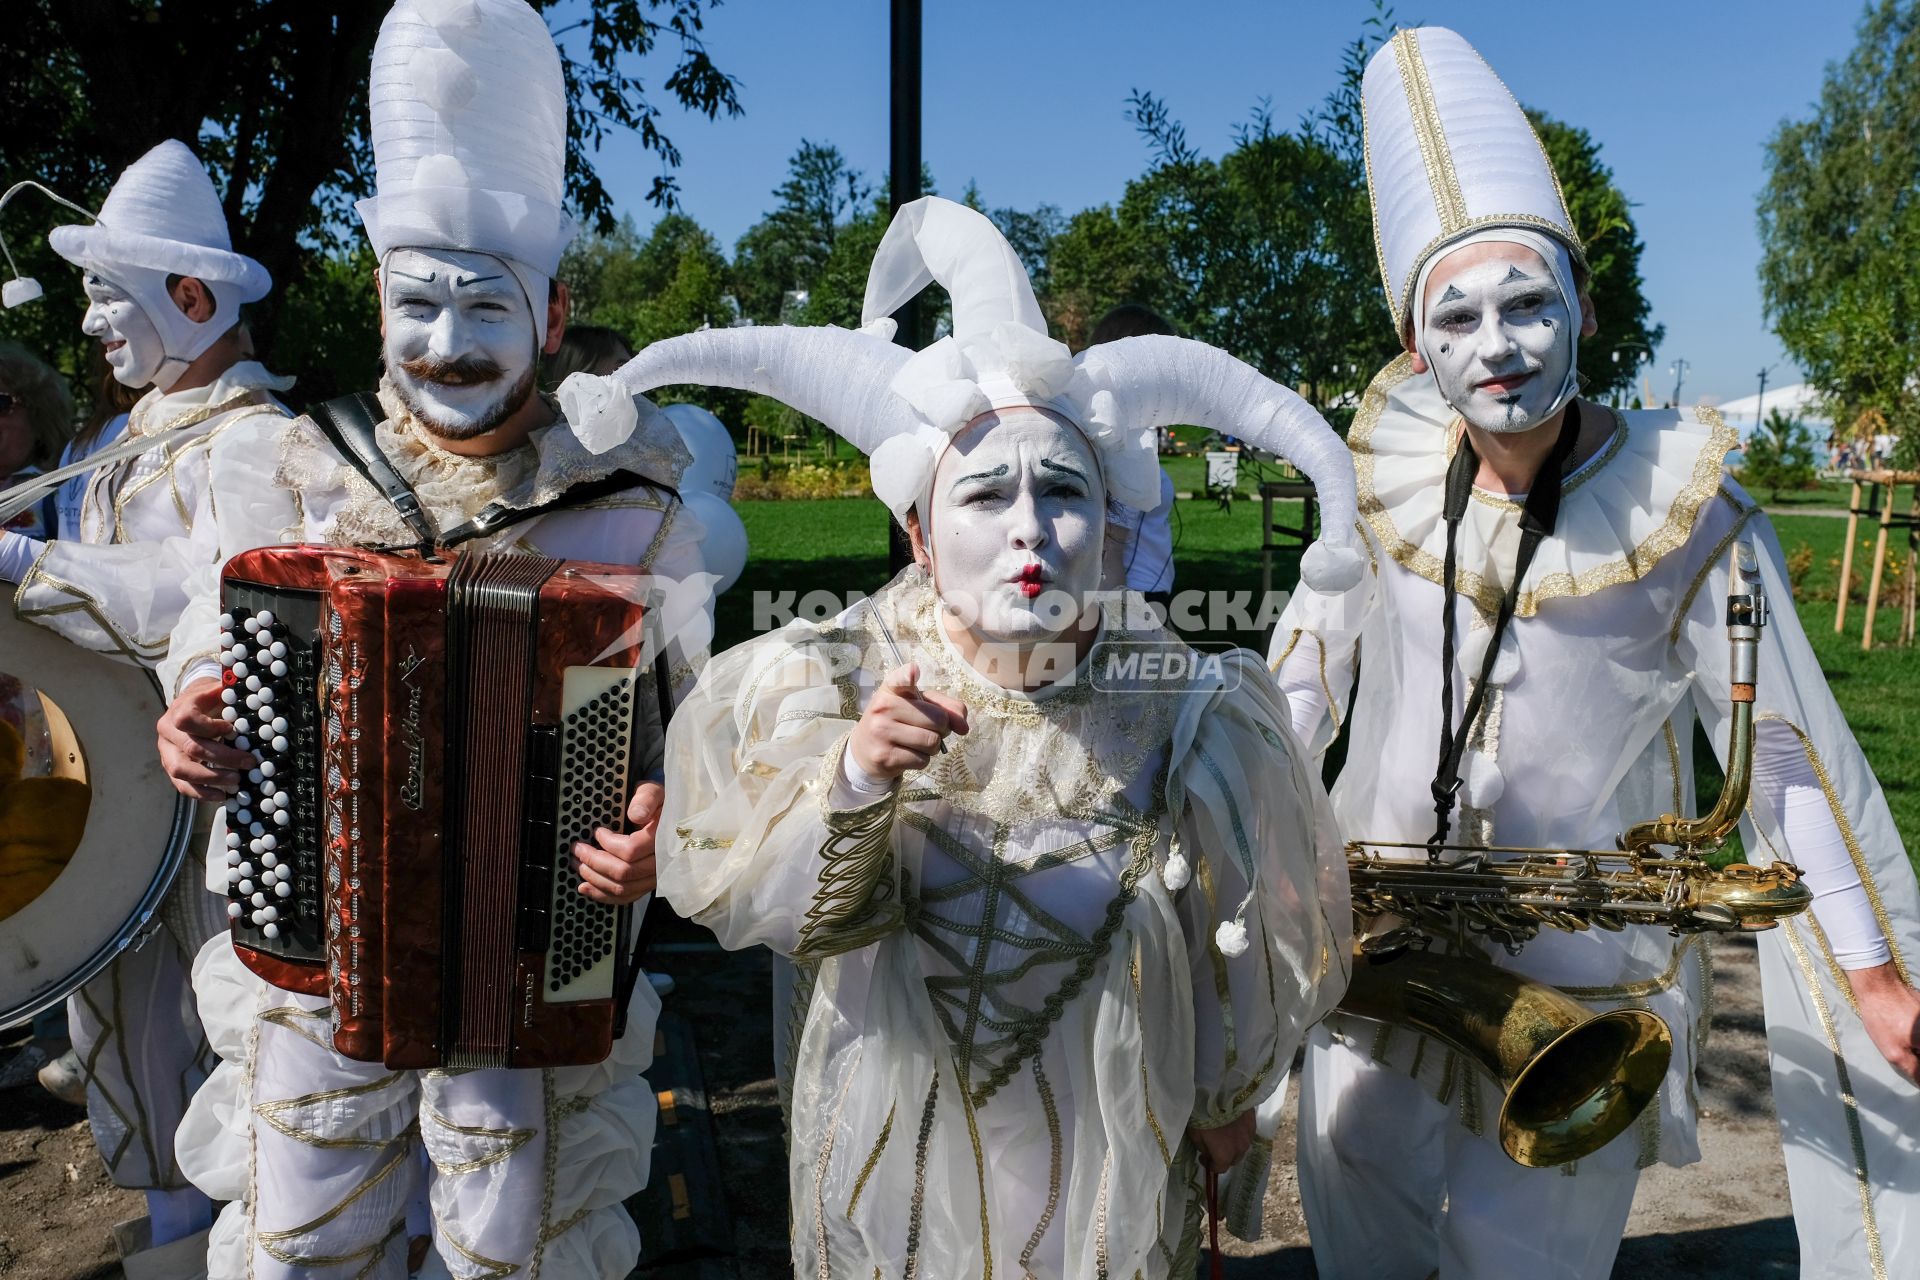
{"points": [[460, 283], [1451, 295], [994, 474], [428, 278], [1050, 465], [1514, 273]]}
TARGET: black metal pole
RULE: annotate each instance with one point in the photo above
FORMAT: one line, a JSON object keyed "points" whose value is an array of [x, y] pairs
{"points": [[903, 168]]}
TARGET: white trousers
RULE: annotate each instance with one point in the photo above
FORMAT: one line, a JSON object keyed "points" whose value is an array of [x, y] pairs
{"points": [[526, 1171], [1395, 1188], [139, 1040]]}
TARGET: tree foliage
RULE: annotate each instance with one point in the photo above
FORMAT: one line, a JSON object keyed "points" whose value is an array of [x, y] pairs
{"points": [[1780, 455], [1603, 218], [786, 250], [1840, 230], [273, 96]]}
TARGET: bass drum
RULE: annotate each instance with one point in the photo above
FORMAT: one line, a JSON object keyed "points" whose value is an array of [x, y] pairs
{"points": [[92, 833]]}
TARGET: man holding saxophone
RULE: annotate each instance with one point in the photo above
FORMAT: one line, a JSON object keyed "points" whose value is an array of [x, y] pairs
{"points": [[1545, 618]]}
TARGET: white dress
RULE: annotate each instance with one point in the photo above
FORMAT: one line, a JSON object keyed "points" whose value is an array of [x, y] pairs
{"points": [[1618, 642], [320, 1155], [117, 586], [1006, 1021]]}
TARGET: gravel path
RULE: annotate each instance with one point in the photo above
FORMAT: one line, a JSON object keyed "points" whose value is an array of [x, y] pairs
{"points": [[1725, 1218]]}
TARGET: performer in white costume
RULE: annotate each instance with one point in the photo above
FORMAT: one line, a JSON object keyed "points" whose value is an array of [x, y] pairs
{"points": [[164, 290], [1058, 931], [1617, 641], [322, 1156]]}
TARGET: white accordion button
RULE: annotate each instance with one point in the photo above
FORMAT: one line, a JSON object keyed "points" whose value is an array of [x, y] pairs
{"points": [[270, 859], [258, 899], [280, 818], [266, 618], [229, 712], [233, 840], [257, 829], [279, 724], [278, 649], [239, 668], [253, 682], [229, 696], [271, 930], [266, 692], [226, 622], [282, 889], [280, 743], [246, 869], [278, 668], [246, 888], [233, 875], [233, 911], [266, 766], [269, 842], [252, 625], [240, 723]]}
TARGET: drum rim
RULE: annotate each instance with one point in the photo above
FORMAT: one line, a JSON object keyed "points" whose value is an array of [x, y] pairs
{"points": [[139, 923]]}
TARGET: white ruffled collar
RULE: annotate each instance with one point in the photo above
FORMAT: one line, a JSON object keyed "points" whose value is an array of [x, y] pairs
{"points": [[452, 487], [1621, 512]]}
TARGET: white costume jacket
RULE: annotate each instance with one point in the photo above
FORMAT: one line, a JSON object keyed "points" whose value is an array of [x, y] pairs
{"points": [[1618, 642], [320, 1155], [1006, 1019], [148, 522]]}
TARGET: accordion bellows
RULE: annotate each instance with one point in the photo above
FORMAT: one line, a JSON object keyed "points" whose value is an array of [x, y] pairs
{"points": [[432, 737]]}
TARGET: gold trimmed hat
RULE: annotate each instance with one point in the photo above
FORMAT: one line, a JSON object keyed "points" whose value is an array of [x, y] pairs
{"points": [[1449, 152]]}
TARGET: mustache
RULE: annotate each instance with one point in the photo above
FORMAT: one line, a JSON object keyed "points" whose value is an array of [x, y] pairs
{"points": [[463, 371]]}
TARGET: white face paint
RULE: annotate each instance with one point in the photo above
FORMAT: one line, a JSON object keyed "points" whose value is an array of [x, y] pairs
{"points": [[1018, 522], [132, 344], [1498, 336], [460, 339]]}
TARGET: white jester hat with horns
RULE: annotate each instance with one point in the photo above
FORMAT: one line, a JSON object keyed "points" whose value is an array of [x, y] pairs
{"points": [[902, 408]]}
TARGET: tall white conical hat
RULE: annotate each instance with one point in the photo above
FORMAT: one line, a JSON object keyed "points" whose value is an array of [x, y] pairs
{"points": [[164, 215], [469, 129], [1449, 153], [902, 408]]}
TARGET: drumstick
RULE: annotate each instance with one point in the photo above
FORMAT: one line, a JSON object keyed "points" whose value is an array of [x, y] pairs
{"points": [[895, 657]]}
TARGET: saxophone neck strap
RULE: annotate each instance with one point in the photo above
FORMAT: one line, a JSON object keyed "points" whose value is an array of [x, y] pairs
{"points": [[1538, 515]]}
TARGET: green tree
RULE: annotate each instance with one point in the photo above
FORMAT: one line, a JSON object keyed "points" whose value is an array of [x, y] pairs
{"points": [[273, 96], [1603, 217], [1840, 230], [1780, 455], [784, 251]]}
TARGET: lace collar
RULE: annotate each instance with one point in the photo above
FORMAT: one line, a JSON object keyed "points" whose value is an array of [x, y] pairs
{"points": [[1622, 512], [454, 488]]}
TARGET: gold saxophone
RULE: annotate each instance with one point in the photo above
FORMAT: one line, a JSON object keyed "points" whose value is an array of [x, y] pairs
{"points": [[1572, 1080]]}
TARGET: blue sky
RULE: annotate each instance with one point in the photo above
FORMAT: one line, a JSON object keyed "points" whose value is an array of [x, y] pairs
{"points": [[1028, 100]]}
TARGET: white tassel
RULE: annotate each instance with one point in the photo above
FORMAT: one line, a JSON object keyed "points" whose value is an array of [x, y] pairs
{"points": [[1507, 665], [1231, 938], [1485, 785], [1175, 872]]}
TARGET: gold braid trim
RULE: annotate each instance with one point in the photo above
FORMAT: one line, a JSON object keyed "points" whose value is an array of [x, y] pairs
{"points": [[1485, 594], [856, 903], [1849, 1105]]}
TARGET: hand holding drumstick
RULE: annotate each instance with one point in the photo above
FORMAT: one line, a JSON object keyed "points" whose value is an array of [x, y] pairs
{"points": [[904, 727]]}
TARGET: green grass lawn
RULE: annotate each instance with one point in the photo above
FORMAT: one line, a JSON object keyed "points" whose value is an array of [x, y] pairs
{"points": [[838, 545]]}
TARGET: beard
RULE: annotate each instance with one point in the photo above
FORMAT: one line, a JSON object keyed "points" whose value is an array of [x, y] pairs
{"points": [[464, 372]]}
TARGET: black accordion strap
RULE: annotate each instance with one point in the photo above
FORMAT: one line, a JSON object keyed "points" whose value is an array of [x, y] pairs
{"points": [[349, 423], [496, 516]]}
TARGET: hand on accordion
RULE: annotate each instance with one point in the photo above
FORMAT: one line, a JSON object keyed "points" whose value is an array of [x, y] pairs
{"points": [[619, 868], [194, 749]]}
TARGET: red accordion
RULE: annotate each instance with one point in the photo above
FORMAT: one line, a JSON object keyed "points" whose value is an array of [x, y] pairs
{"points": [[433, 736]]}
